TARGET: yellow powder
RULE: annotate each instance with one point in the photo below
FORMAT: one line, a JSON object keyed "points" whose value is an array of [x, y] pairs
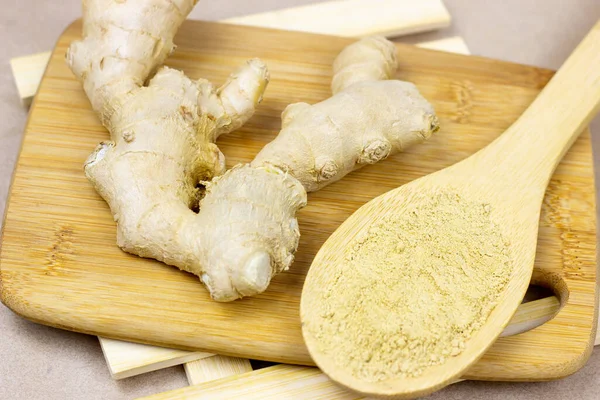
{"points": [[414, 289]]}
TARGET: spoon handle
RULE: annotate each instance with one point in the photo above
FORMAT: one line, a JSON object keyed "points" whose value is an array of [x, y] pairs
{"points": [[537, 141]]}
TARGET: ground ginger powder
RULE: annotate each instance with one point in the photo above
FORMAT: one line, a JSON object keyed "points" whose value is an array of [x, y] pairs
{"points": [[413, 290]]}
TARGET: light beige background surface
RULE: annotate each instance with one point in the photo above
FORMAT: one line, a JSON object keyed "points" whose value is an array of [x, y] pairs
{"points": [[38, 362]]}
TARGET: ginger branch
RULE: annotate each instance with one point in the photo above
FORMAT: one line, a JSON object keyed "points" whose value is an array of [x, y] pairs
{"points": [[368, 118]]}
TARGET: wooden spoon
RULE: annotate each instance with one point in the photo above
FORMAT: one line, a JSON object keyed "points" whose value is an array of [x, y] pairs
{"points": [[511, 175]]}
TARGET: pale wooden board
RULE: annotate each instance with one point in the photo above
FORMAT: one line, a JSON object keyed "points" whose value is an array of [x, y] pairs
{"points": [[213, 368], [277, 382], [60, 265], [127, 359], [454, 44], [532, 314], [27, 72], [355, 18]]}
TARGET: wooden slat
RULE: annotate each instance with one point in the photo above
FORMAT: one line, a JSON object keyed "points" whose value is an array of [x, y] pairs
{"points": [[277, 382], [27, 72], [216, 367], [454, 44], [355, 18], [532, 314], [125, 359]]}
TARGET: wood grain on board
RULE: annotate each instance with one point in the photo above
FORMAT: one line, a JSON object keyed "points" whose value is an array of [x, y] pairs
{"points": [[60, 265]]}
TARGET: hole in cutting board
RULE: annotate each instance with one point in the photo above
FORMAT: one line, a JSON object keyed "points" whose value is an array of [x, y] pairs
{"points": [[540, 304], [536, 292]]}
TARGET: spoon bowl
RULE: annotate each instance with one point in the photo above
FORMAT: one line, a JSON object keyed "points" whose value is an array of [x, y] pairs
{"points": [[510, 176]]}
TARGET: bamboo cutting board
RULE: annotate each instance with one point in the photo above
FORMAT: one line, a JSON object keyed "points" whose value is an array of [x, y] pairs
{"points": [[59, 264]]}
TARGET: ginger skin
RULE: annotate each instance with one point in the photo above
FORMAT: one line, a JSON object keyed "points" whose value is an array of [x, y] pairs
{"points": [[367, 119], [162, 136]]}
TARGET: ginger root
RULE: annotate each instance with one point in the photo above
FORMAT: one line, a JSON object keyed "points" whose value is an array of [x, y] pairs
{"points": [[163, 145], [163, 134], [253, 229]]}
